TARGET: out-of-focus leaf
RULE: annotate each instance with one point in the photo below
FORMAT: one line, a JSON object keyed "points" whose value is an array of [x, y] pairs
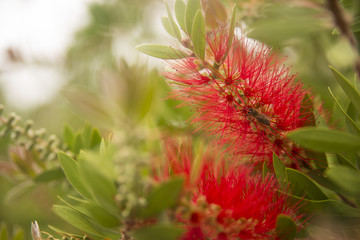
{"points": [[281, 23], [71, 170], [160, 51], [303, 186], [198, 35], [285, 227], [95, 212], [180, 9], [166, 24], [355, 128], [280, 170], [325, 140], [77, 144], [346, 162], [192, 7], [68, 135], [77, 219], [19, 191], [95, 138], [3, 233], [101, 188], [50, 175], [215, 13], [345, 84], [346, 178], [19, 234], [162, 197], [232, 27], [173, 26], [158, 232]]}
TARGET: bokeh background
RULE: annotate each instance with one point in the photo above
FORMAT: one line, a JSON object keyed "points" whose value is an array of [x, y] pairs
{"points": [[75, 62]]}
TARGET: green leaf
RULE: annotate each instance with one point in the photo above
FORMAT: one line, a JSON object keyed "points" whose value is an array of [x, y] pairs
{"points": [[350, 91], [77, 144], [345, 161], [325, 140], [19, 191], [50, 175], [158, 232], [19, 234], [166, 24], [160, 51], [285, 227], [191, 9], [77, 219], [3, 233], [303, 186], [97, 213], [95, 138], [68, 135], [279, 169], [162, 197], [71, 170], [172, 23], [232, 27], [346, 178], [180, 8], [354, 126], [265, 170], [198, 35]]}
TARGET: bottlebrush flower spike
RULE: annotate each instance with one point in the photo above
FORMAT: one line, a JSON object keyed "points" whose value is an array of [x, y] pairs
{"points": [[227, 202], [244, 95]]}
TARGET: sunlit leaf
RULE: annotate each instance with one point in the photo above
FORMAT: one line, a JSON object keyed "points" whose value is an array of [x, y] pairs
{"points": [[166, 24], [191, 9], [285, 227], [325, 140], [68, 135], [198, 35], [160, 51], [158, 232], [180, 9], [71, 170], [173, 26]]}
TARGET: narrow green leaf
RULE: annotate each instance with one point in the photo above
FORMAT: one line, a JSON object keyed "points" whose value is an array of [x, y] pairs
{"points": [[160, 51], [173, 26], [346, 162], [180, 9], [303, 186], [68, 135], [95, 139], [19, 234], [325, 140], [162, 197], [76, 219], [346, 178], [350, 91], [71, 170], [166, 24], [86, 136], [198, 35], [158, 232], [19, 191], [279, 169], [77, 144], [191, 9], [285, 227], [353, 125], [232, 27], [265, 170], [101, 188], [50, 175]]}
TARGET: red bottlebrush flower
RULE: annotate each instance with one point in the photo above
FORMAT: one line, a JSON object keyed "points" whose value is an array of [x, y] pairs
{"points": [[243, 95], [228, 202]]}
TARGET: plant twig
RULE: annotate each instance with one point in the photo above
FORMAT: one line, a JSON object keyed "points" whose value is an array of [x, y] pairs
{"points": [[345, 30]]}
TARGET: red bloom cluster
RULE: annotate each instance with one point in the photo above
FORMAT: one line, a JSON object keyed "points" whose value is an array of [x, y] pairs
{"points": [[243, 95], [226, 202]]}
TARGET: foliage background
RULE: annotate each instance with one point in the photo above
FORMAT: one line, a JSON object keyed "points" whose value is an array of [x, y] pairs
{"points": [[116, 90]]}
